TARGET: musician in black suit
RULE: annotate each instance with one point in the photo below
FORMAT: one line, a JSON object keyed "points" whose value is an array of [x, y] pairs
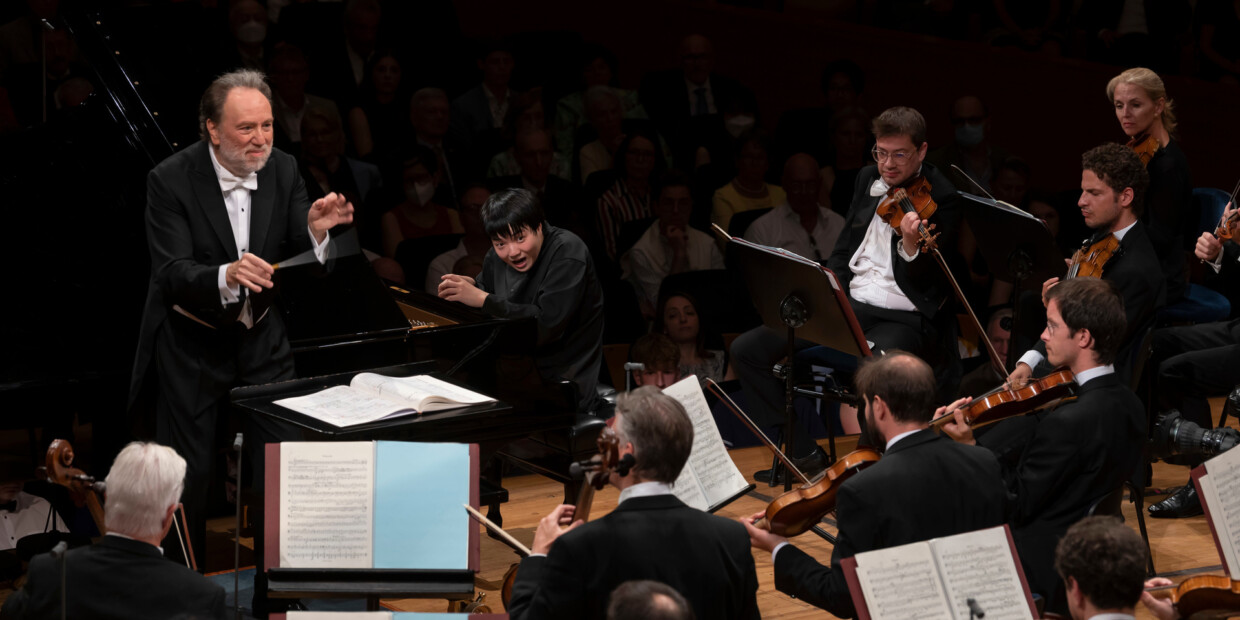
{"points": [[125, 574], [1060, 462], [898, 293], [218, 214], [885, 505], [650, 535], [1113, 182]]}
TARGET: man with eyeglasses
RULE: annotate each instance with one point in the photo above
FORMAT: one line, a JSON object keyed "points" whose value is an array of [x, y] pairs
{"points": [[669, 246], [1058, 463]]}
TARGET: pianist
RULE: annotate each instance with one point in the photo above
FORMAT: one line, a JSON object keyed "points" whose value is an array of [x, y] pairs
{"points": [[534, 269]]}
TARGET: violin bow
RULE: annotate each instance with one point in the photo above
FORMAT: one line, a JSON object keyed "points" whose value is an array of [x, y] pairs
{"points": [[727, 400], [504, 537]]}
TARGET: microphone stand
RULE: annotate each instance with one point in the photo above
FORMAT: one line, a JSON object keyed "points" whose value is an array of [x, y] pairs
{"points": [[975, 610], [629, 367]]}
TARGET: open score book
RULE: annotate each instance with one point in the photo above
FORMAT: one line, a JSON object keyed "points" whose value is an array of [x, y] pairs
{"points": [[370, 397]]}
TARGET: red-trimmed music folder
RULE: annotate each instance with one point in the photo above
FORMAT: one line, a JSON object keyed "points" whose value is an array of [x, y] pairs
{"points": [[416, 516], [977, 547]]}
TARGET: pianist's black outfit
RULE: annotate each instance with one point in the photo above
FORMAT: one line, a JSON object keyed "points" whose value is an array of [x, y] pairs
{"points": [[562, 292]]}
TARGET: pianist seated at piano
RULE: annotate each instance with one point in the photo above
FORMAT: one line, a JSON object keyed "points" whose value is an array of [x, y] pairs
{"points": [[534, 269]]}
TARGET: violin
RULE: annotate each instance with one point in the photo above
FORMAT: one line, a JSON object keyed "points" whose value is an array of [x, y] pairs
{"points": [[799, 510], [84, 490], [1000, 404], [912, 199], [1145, 145], [1088, 261], [1227, 227], [1215, 595]]}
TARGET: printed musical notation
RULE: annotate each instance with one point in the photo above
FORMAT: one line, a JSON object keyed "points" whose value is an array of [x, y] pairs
{"points": [[326, 505]]}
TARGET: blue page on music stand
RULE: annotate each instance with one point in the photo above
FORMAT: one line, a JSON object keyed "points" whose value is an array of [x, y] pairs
{"points": [[420, 493]]}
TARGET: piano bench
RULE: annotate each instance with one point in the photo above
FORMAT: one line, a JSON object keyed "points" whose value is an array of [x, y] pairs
{"points": [[550, 453]]}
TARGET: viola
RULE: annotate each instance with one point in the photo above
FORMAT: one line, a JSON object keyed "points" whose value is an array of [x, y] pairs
{"points": [[1212, 594], [1001, 404], [799, 510], [915, 198], [1088, 261], [1145, 145]]}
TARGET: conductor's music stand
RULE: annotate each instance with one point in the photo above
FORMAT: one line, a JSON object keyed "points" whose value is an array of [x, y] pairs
{"points": [[1018, 248], [803, 298]]}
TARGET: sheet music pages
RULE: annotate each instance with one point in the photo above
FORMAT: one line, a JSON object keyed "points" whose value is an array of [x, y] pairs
{"points": [[370, 397], [326, 504], [339, 615], [344, 406], [709, 477], [424, 392], [1221, 486], [902, 582], [980, 565]]}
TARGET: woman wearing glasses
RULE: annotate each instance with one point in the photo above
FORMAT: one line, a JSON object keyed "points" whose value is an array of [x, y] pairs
{"points": [[1147, 117]]}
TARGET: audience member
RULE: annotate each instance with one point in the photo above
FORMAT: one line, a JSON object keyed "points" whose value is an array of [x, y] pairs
{"points": [[678, 317], [748, 190], [326, 169], [469, 266], [599, 67], [659, 358], [485, 106], [983, 378], [638, 165], [380, 121], [810, 130], [800, 225], [248, 47], [340, 68], [419, 214], [970, 148], [850, 152], [559, 198], [1219, 40], [606, 113], [19, 39], [525, 114], [289, 101], [476, 241], [643, 599], [669, 246], [1102, 564], [125, 574], [1030, 26], [33, 86], [429, 114]]}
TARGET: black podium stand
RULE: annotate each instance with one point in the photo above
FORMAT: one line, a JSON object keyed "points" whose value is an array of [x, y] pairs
{"points": [[803, 298], [1018, 248]]}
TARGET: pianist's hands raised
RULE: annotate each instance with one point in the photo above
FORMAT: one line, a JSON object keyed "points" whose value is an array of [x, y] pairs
{"points": [[327, 213], [461, 288]]}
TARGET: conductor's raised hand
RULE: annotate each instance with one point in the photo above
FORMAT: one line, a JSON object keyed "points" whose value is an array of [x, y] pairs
{"points": [[758, 537], [463, 289], [552, 527], [251, 272], [328, 212]]}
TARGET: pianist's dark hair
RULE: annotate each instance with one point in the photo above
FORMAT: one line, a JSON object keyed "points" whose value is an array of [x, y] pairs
{"points": [[212, 104], [508, 211]]}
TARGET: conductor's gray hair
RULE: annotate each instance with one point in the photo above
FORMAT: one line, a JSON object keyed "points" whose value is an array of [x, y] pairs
{"points": [[212, 104], [144, 481]]}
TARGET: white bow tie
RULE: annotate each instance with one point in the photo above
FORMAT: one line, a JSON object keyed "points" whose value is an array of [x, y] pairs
{"points": [[879, 187], [229, 182]]}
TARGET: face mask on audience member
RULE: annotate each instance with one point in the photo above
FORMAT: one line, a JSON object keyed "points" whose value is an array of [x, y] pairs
{"points": [[420, 193], [738, 124], [969, 134], [252, 32]]}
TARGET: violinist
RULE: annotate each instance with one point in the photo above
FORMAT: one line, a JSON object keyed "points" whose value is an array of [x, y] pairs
{"points": [[889, 503], [1195, 362], [1059, 462], [1102, 564], [1113, 184], [1147, 117], [650, 535]]}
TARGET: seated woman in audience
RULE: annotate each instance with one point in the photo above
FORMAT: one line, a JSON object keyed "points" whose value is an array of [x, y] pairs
{"points": [[678, 318], [748, 190], [525, 114], [379, 123], [417, 215], [638, 163], [599, 68]]}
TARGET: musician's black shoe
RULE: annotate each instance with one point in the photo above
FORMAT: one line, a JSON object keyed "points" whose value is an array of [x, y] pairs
{"points": [[811, 465], [1183, 503]]}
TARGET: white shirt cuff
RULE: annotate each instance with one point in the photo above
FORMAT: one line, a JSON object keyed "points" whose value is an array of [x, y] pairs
{"points": [[228, 294], [1217, 263], [776, 550], [906, 257], [320, 249], [1031, 359]]}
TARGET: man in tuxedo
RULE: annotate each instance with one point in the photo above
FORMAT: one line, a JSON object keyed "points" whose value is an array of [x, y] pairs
{"points": [[1102, 563], [650, 535], [1060, 462], [885, 504], [219, 213], [1113, 184], [125, 574], [898, 293]]}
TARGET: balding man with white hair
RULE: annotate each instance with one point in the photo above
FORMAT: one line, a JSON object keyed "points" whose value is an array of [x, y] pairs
{"points": [[124, 575]]}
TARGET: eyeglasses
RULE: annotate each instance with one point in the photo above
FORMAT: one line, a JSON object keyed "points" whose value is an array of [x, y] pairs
{"points": [[881, 156]]}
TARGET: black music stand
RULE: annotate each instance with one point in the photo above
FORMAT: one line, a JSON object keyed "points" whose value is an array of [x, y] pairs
{"points": [[1018, 248], [804, 298]]}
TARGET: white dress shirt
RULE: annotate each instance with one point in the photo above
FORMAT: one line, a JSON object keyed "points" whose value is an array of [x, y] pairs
{"points": [[31, 517], [781, 228], [874, 280]]}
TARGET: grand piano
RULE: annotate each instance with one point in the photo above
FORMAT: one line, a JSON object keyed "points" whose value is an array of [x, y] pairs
{"points": [[78, 265]]}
